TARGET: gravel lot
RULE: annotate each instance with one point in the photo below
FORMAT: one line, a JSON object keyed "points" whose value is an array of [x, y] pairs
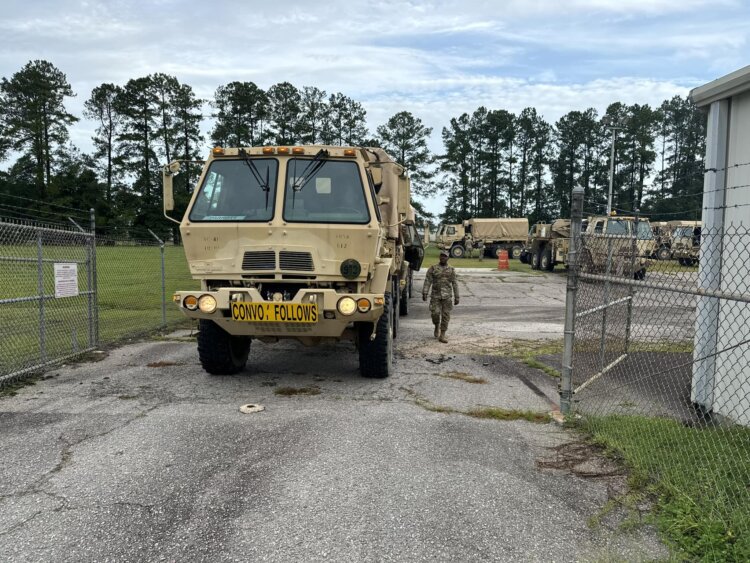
{"points": [[119, 460]]}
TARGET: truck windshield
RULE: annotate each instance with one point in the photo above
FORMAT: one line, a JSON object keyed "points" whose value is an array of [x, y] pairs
{"points": [[332, 194], [683, 232], [645, 232], [617, 227], [231, 192]]}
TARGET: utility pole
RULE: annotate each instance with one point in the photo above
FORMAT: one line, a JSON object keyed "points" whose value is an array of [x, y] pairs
{"points": [[613, 126]]}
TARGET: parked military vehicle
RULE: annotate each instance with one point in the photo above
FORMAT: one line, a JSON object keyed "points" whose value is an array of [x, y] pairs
{"points": [[686, 243], [607, 240], [306, 243], [495, 234], [663, 236], [549, 244], [414, 252]]}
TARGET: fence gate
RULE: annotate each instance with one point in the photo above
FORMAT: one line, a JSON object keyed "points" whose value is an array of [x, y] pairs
{"points": [[47, 295], [657, 352]]}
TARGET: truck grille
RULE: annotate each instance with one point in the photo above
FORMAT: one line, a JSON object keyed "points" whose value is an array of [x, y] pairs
{"points": [[297, 261], [259, 260]]}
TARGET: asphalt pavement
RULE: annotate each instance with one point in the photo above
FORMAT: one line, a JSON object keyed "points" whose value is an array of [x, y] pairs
{"points": [[143, 456]]}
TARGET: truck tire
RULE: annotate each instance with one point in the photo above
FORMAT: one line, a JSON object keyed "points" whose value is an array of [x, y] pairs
{"points": [[663, 253], [457, 251], [536, 257], [376, 356], [221, 353], [496, 251], [545, 260], [515, 251], [524, 257]]}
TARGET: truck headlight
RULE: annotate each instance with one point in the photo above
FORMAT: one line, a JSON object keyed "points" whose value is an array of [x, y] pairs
{"points": [[207, 303], [346, 306]]}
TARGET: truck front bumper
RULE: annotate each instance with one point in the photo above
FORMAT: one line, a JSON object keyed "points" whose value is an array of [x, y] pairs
{"points": [[330, 323]]}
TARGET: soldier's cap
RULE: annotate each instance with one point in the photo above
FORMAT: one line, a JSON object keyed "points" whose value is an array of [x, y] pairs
{"points": [[444, 253]]}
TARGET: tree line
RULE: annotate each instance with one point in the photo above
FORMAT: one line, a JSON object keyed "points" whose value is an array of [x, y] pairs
{"points": [[493, 162]]}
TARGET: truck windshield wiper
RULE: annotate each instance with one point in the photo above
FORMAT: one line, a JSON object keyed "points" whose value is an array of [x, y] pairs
{"points": [[256, 173], [310, 170]]}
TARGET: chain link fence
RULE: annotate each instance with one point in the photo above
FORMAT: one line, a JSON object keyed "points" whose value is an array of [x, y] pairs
{"points": [[64, 292], [657, 364]]}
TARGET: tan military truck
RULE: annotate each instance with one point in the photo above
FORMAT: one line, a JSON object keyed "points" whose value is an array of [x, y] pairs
{"points": [[686, 242], [496, 234], [664, 236], [549, 244], [300, 243], [606, 239], [608, 245]]}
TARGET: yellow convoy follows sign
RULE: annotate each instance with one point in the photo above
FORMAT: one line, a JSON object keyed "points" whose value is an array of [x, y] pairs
{"points": [[274, 312]]}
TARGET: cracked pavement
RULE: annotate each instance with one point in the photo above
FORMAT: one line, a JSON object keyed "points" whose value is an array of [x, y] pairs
{"points": [[116, 460]]}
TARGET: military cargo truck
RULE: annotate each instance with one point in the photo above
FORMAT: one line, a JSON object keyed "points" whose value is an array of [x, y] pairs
{"points": [[496, 234], [606, 237], [686, 242], [302, 243], [663, 236]]}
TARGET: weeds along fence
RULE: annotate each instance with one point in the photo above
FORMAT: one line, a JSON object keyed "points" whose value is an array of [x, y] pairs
{"points": [[657, 364], [65, 291]]}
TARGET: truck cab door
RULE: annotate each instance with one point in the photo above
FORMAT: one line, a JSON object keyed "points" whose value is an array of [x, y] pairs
{"points": [[414, 250]]}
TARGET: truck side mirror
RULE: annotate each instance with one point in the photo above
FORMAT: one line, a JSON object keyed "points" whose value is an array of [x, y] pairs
{"points": [[168, 173]]}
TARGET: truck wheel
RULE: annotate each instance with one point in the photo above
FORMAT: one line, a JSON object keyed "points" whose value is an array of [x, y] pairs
{"points": [[515, 251], [535, 259], [457, 251], [496, 251], [376, 356], [545, 261], [221, 353], [663, 253], [524, 257]]}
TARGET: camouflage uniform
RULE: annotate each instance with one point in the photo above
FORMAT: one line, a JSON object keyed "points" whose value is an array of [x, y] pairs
{"points": [[442, 280], [480, 246]]}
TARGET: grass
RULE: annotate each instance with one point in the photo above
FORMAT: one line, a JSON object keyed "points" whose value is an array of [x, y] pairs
{"points": [[497, 413], [699, 478], [12, 389], [129, 299], [432, 254], [462, 377], [527, 351], [292, 391]]}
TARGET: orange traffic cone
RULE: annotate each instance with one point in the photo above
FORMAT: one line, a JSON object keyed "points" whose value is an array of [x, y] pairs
{"points": [[502, 260]]}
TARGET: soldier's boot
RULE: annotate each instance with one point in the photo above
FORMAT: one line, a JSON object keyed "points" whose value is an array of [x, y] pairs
{"points": [[437, 331], [442, 338]]}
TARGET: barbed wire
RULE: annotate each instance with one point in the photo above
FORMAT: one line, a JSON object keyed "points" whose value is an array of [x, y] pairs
{"points": [[83, 212]]}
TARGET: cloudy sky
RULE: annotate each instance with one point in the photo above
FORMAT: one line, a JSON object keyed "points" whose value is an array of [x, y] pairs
{"points": [[436, 59]]}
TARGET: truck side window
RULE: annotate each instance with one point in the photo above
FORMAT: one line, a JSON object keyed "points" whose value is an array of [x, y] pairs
{"points": [[451, 230], [599, 227], [374, 196]]}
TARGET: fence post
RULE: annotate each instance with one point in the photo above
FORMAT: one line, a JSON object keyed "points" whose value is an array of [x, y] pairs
{"points": [[635, 258], [163, 281], [40, 291], [93, 285], [576, 217]]}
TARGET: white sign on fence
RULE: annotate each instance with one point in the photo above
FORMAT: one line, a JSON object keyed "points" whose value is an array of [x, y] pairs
{"points": [[66, 280]]}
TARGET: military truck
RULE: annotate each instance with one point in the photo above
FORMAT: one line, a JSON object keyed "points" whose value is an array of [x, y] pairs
{"points": [[414, 250], [548, 244], [664, 236], [496, 234], [686, 242], [300, 243], [606, 237], [609, 245]]}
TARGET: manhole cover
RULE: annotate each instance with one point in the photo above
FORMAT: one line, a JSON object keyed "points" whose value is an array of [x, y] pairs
{"points": [[251, 408]]}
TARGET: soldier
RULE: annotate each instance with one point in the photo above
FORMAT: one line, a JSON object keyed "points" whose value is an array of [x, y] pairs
{"points": [[442, 279], [480, 246], [468, 244]]}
